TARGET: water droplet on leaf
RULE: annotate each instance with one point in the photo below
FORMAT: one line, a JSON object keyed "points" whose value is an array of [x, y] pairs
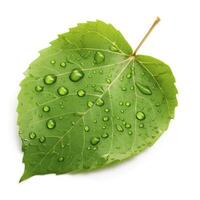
{"points": [[81, 93], [99, 57], [42, 139], [140, 115], [62, 91], [51, 124], [119, 128], [76, 75], [99, 102], [46, 108], [32, 135], [50, 79], [95, 140], [143, 89], [39, 88]]}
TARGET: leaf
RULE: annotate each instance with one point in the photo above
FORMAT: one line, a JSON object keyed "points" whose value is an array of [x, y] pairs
{"points": [[86, 102]]}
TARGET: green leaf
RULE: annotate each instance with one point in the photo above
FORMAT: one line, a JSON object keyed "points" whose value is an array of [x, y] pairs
{"points": [[86, 102]]}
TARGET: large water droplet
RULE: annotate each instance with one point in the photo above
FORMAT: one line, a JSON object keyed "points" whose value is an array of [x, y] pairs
{"points": [[50, 79], [32, 135], [46, 108], [143, 89], [39, 88], [42, 139], [99, 102], [99, 57], [76, 75], [62, 91], [51, 124], [140, 115], [90, 104], [95, 140], [119, 128], [81, 93]]}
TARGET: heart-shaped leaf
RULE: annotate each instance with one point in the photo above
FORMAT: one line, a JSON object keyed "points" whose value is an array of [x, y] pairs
{"points": [[87, 102]]}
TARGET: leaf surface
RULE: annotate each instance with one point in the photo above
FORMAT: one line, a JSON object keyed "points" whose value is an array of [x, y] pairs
{"points": [[86, 103]]}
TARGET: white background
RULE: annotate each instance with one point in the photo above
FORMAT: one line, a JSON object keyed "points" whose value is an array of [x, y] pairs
{"points": [[168, 170]]}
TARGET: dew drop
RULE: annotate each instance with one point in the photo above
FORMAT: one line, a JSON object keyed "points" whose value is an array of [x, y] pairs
{"points": [[81, 93], [143, 89], [63, 64], [95, 140], [61, 159], [76, 75], [62, 91], [50, 79], [124, 89], [86, 128], [105, 135], [39, 88], [140, 115], [51, 124], [90, 104], [128, 76], [108, 81], [99, 57], [121, 103], [128, 125], [95, 121], [130, 132], [119, 128], [128, 104], [32, 135], [99, 102], [42, 139], [141, 125], [107, 110], [53, 62], [114, 48], [105, 119], [46, 108]]}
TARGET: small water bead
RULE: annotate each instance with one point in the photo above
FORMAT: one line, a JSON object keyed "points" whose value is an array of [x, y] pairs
{"points": [[95, 121], [99, 57], [39, 88], [32, 135], [122, 111], [95, 140], [132, 87], [53, 62], [99, 102], [46, 108], [61, 159], [107, 110], [105, 119], [124, 88], [114, 48], [108, 81], [101, 71], [143, 89], [141, 125], [105, 135], [130, 132], [51, 124], [128, 125], [128, 76], [81, 93], [121, 103], [86, 128], [50, 79], [89, 148], [63, 64], [90, 104], [103, 127], [119, 128], [140, 115], [42, 139], [76, 75], [73, 123], [128, 104], [62, 91]]}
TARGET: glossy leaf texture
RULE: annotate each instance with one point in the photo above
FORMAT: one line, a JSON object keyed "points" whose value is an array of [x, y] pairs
{"points": [[86, 102]]}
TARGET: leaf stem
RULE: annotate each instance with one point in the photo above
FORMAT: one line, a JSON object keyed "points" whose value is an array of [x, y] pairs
{"points": [[156, 21]]}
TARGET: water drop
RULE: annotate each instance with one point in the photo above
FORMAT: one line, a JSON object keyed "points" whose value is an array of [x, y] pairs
{"points": [[90, 104], [124, 88], [63, 64], [81, 93], [108, 81], [51, 124], [107, 110], [128, 104], [32, 135], [122, 111], [46, 108], [42, 139], [128, 125], [95, 121], [140, 115], [141, 125], [130, 132], [105, 119], [114, 48], [39, 88], [86, 128], [121, 103], [99, 57], [76, 75], [128, 76], [95, 140], [143, 89], [50, 79], [61, 159], [53, 62], [119, 128], [62, 91], [99, 102], [105, 135]]}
